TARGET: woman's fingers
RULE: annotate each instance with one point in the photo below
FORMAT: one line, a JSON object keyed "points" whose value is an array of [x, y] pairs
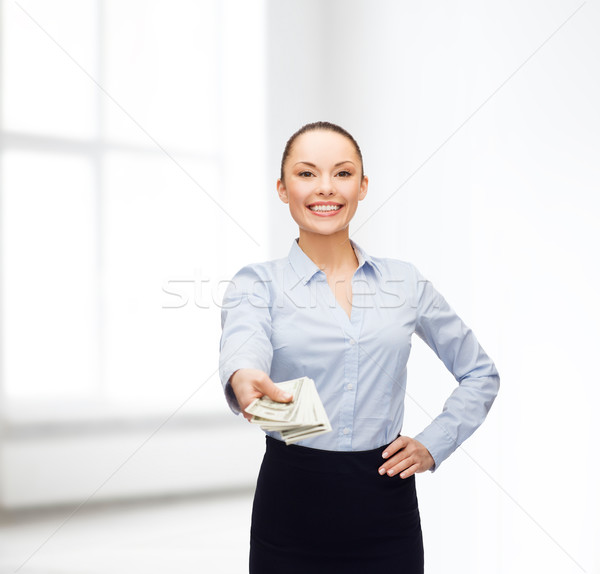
{"points": [[394, 447], [407, 471], [270, 389], [411, 458], [396, 464], [250, 384]]}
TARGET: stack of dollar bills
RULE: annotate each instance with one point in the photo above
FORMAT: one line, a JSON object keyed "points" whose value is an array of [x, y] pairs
{"points": [[303, 417]]}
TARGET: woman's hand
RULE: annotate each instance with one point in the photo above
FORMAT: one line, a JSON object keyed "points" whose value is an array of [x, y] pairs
{"points": [[250, 384], [412, 457]]}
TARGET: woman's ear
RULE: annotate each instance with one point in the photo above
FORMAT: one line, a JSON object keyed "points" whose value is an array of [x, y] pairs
{"points": [[282, 191], [364, 186]]}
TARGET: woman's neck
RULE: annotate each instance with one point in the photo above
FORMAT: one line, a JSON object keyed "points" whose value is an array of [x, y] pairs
{"points": [[333, 254]]}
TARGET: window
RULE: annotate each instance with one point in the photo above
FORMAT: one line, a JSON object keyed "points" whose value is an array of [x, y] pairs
{"points": [[119, 174]]}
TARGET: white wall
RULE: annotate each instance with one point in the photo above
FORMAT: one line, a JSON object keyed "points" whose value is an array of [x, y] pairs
{"points": [[488, 124]]}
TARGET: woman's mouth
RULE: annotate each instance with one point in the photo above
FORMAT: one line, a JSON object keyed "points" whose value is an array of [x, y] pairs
{"points": [[325, 210]]}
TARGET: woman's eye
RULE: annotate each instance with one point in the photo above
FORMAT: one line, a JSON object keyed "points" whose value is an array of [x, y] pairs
{"points": [[305, 174], [345, 173]]}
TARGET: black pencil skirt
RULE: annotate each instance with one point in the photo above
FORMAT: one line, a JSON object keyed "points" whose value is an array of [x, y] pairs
{"points": [[319, 511]]}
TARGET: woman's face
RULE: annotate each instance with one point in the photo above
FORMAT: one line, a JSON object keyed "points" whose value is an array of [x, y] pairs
{"points": [[322, 168]]}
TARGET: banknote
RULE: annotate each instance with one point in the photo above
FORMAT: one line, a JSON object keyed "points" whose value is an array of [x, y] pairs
{"points": [[303, 417], [266, 408]]}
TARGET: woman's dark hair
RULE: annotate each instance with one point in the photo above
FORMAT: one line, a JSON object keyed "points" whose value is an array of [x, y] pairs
{"points": [[323, 126]]}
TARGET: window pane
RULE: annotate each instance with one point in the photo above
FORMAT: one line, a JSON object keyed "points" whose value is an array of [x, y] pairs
{"points": [[43, 90], [49, 275], [160, 235], [162, 69]]}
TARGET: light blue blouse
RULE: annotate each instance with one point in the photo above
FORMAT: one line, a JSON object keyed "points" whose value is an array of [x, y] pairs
{"points": [[282, 317]]}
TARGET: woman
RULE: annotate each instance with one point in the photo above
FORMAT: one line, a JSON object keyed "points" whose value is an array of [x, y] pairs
{"points": [[343, 501]]}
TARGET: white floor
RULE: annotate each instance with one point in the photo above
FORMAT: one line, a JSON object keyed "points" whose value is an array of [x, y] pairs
{"points": [[203, 534]]}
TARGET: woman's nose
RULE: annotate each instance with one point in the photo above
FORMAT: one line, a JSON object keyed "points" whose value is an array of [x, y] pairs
{"points": [[326, 185]]}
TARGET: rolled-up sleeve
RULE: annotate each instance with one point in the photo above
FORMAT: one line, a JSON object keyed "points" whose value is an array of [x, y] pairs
{"points": [[245, 328], [478, 380]]}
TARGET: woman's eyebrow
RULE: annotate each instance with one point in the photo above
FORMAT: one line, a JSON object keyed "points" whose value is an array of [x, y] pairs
{"points": [[336, 165]]}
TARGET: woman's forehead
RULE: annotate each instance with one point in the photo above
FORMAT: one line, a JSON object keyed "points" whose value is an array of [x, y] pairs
{"points": [[323, 145]]}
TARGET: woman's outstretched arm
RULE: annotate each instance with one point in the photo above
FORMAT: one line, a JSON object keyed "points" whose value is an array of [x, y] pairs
{"points": [[246, 351]]}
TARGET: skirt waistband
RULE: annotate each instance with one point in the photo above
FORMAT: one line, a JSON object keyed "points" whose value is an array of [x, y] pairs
{"points": [[320, 460]]}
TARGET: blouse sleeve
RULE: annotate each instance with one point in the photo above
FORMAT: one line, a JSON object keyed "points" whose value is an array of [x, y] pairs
{"points": [[246, 329], [478, 380]]}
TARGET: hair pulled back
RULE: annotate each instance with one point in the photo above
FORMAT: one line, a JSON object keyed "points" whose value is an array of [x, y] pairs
{"points": [[320, 126]]}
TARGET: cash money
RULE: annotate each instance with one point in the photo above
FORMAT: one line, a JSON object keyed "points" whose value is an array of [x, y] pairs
{"points": [[303, 417]]}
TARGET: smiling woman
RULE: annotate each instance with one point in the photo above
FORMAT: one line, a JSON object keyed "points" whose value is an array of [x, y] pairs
{"points": [[330, 311], [322, 176]]}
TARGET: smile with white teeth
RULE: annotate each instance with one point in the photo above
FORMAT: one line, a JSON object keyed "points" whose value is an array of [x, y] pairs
{"points": [[324, 207]]}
